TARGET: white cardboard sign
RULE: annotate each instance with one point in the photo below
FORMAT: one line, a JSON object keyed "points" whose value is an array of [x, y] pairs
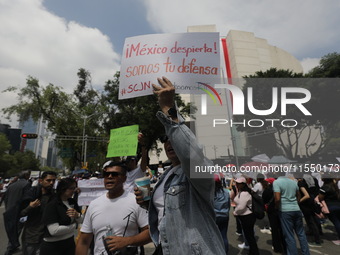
{"points": [[90, 190], [188, 60]]}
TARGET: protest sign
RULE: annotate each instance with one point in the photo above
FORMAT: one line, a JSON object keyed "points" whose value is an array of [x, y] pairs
{"points": [[90, 190], [187, 59], [123, 141]]}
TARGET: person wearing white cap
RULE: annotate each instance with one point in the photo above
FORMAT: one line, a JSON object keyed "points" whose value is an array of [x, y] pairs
{"points": [[136, 170]]}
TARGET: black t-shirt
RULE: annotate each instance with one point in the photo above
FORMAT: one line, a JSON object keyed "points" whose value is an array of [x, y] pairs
{"points": [[331, 195], [308, 202], [268, 198], [34, 229]]}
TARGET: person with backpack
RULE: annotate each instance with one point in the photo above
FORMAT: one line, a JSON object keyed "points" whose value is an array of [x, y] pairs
{"points": [[221, 208], [258, 188], [243, 211]]}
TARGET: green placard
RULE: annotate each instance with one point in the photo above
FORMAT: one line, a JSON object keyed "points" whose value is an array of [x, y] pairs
{"points": [[123, 141]]}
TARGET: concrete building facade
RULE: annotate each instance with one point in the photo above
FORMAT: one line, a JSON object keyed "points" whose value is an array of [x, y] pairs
{"points": [[242, 53]]}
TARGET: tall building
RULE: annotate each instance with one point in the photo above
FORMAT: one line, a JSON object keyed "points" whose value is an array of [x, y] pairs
{"points": [[44, 149], [242, 53], [13, 136]]}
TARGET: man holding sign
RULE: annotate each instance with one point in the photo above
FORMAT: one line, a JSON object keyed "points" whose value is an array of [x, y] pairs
{"points": [[135, 170], [181, 212]]}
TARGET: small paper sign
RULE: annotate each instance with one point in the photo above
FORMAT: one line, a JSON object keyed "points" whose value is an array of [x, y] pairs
{"points": [[123, 141]]}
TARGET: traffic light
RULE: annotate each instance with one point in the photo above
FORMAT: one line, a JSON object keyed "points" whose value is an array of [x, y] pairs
{"points": [[29, 136]]}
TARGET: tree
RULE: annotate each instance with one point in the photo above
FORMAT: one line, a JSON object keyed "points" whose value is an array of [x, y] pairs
{"points": [[139, 110], [288, 138], [328, 67], [326, 104], [5, 158], [11, 165], [64, 113], [5, 145], [68, 114]]}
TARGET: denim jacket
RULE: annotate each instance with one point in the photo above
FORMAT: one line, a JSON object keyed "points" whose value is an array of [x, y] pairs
{"points": [[188, 226]]}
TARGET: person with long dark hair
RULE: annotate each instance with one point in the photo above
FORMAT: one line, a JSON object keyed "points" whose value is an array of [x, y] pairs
{"points": [[278, 241], [243, 201], [306, 204], [61, 217], [222, 207], [259, 188]]}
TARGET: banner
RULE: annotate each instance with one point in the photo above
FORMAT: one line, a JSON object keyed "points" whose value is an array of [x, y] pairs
{"points": [[90, 190], [123, 141], [188, 60]]}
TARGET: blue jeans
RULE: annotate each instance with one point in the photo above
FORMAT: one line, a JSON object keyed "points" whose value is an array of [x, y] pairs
{"points": [[222, 223], [292, 222]]}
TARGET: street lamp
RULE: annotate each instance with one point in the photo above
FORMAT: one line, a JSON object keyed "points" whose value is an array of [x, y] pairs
{"points": [[84, 143]]}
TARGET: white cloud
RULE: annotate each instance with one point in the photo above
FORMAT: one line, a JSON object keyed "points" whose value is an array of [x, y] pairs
{"points": [[38, 43], [303, 28], [309, 63]]}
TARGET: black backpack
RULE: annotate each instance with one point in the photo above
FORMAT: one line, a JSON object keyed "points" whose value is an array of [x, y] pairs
{"points": [[257, 207]]}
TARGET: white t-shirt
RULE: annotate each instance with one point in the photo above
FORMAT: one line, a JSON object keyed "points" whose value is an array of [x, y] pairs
{"points": [[158, 196], [118, 214], [131, 176]]}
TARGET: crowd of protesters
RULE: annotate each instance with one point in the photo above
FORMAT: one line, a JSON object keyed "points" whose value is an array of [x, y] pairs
{"points": [[183, 216]]}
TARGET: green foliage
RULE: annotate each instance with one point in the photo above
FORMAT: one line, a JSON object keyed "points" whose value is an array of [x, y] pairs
{"points": [[287, 138], [65, 113], [139, 110], [325, 104], [86, 111], [4, 144], [329, 67], [26, 160], [11, 165]]}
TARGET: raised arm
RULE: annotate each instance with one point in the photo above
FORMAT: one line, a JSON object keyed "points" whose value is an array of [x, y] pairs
{"points": [[144, 161], [183, 141]]}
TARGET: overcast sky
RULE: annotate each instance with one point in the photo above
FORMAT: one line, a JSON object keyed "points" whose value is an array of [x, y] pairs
{"points": [[52, 39]]}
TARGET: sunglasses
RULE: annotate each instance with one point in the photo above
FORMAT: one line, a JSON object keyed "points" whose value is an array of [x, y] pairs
{"points": [[113, 174], [164, 138]]}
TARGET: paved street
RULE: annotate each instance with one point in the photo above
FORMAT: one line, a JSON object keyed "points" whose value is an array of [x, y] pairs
{"points": [[264, 240]]}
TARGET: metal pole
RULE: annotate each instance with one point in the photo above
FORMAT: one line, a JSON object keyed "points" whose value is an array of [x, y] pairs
{"points": [[82, 145], [85, 149], [230, 115]]}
